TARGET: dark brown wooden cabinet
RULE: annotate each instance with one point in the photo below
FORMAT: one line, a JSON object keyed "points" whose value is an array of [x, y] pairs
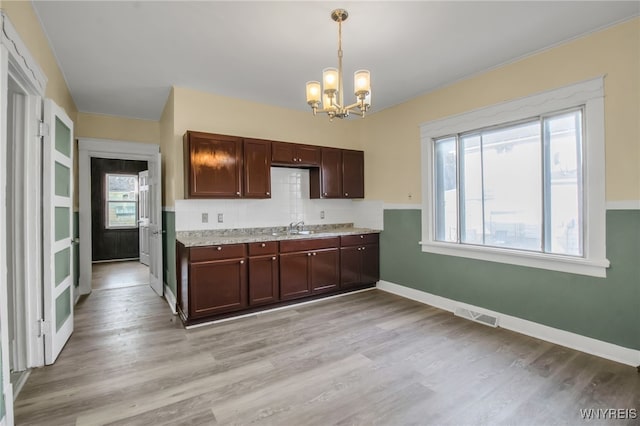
{"points": [[294, 275], [256, 169], [324, 270], [291, 154], [359, 260], [217, 280], [340, 175], [213, 165], [309, 267], [352, 174], [264, 277], [225, 280]]}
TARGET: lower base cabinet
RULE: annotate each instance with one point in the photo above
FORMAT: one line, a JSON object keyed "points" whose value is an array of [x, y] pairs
{"points": [[217, 281], [263, 279], [218, 286]]}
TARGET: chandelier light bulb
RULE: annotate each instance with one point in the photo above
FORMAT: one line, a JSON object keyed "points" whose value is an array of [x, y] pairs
{"points": [[313, 92], [330, 77]]}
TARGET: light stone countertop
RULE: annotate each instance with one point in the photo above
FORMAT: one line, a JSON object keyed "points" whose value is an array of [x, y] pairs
{"points": [[252, 235]]}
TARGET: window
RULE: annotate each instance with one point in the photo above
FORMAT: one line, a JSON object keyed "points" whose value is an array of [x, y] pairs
{"points": [[121, 201], [517, 186], [520, 182]]}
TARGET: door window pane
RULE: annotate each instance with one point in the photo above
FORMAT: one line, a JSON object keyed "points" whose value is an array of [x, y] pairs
{"points": [[121, 201]]}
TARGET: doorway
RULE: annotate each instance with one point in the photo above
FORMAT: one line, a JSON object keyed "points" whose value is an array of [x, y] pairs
{"points": [[89, 149], [15, 236]]}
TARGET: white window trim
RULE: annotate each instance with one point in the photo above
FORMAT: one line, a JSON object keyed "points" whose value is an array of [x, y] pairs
{"points": [[589, 93]]}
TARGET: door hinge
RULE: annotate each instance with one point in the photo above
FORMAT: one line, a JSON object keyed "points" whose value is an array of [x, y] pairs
{"points": [[44, 328], [43, 129]]}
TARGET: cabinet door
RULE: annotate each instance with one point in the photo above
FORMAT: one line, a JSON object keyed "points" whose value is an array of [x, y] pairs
{"points": [[352, 174], [257, 168], [263, 280], [325, 270], [213, 164], [294, 275], [308, 155], [350, 266], [331, 173], [217, 286], [283, 153], [370, 263]]}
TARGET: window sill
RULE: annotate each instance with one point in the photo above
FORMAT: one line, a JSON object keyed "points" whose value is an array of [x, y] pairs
{"points": [[580, 266]]}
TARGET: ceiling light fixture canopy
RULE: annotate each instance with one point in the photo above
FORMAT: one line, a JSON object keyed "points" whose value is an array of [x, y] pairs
{"points": [[332, 96]]}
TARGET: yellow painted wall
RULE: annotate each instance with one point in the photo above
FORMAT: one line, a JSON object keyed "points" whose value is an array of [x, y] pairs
{"points": [[206, 112], [27, 24], [168, 148], [117, 128], [391, 138]]}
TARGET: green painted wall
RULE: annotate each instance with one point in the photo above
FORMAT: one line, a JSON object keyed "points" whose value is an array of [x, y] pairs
{"points": [[606, 309], [169, 249]]}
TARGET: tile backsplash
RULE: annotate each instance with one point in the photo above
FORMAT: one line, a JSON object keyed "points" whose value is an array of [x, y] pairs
{"points": [[289, 202]]}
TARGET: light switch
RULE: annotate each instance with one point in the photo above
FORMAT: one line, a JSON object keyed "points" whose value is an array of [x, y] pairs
{"points": [[321, 214], [220, 218], [205, 217]]}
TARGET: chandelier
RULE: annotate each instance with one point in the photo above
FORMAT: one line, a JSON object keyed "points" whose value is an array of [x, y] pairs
{"points": [[333, 94]]}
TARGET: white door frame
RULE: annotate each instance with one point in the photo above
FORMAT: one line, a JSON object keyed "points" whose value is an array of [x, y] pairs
{"points": [[103, 148], [16, 60]]}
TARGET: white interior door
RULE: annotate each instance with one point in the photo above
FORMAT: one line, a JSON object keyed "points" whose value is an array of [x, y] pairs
{"points": [[155, 226], [57, 194], [143, 216]]}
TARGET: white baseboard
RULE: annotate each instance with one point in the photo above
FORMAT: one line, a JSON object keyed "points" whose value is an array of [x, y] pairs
{"points": [[171, 299], [529, 328]]}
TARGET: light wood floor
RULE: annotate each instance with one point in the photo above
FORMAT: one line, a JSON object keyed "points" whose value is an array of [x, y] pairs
{"points": [[366, 358], [107, 275]]}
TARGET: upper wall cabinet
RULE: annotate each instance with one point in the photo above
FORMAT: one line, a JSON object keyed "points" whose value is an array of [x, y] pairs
{"points": [[257, 169], [352, 174], [213, 165], [341, 175], [291, 154]]}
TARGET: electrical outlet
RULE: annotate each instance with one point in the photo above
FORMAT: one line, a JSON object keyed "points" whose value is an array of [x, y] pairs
{"points": [[322, 214], [220, 218], [205, 217]]}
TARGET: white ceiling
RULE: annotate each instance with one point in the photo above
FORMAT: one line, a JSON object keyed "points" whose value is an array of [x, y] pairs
{"points": [[121, 58]]}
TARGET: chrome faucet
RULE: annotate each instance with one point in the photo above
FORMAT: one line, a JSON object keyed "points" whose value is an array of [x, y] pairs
{"points": [[295, 227]]}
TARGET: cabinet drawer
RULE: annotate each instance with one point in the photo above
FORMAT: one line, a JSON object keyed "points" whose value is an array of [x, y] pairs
{"points": [[357, 240], [311, 244], [265, 247], [225, 251]]}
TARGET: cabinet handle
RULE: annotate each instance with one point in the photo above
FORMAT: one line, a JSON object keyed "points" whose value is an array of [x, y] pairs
{"points": [[219, 248], [325, 194], [361, 236], [268, 193], [263, 245], [299, 159], [295, 159], [308, 254], [238, 193], [241, 262], [346, 194], [363, 248], [273, 258], [314, 254], [359, 248]]}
